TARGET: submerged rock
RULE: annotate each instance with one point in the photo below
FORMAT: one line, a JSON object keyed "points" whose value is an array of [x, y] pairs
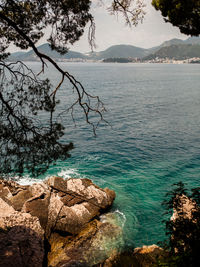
{"points": [[146, 256], [92, 245]]}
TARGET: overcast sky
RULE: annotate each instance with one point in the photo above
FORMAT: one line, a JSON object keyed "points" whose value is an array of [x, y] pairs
{"points": [[111, 30]]}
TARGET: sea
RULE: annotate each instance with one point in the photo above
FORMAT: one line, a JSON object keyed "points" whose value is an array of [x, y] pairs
{"points": [[151, 142]]}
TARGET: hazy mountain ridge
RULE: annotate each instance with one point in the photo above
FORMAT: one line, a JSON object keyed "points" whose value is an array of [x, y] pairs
{"points": [[174, 48], [46, 49], [120, 51], [177, 52], [174, 41]]}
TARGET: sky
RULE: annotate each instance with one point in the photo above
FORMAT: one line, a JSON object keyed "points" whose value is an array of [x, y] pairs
{"points": [[111, 30]]}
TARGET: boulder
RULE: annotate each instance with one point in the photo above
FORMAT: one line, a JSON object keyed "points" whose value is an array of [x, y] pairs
{"points": [[69, 219], [18, 200], [65, 212], [38, 204], [21, 238], [60, 205], [14, 194], [146, 256], [20, 246], [5, 209], [4, 191], [74, 202], [83, 190], [13, 187], [10, 218]]}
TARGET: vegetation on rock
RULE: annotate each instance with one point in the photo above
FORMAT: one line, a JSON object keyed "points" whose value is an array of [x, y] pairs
{"points": [[182, 226]]}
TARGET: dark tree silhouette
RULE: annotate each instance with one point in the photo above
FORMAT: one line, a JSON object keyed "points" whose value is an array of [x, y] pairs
{"points": [[183, 228], [26, 142], [185, 14]]}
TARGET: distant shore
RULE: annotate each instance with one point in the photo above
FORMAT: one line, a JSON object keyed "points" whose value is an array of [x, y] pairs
{"points": [[125, 60]]}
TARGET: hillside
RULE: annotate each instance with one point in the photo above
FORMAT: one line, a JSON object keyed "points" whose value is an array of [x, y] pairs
{"points": [[46, 49], [181, 51], [120, 51], [116, 51], [174, 41], [193, 40], [174, 48]]}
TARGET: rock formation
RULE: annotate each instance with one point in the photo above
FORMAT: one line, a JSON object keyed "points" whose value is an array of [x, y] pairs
{"points": [[146, 256], [64, 214], [185, 208], [21, 238], [57, 223]]}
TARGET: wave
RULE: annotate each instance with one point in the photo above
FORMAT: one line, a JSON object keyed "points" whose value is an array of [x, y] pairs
{"points": [[123, 217], [68, 173], [26, 180], [93, 158], [116, 217]]}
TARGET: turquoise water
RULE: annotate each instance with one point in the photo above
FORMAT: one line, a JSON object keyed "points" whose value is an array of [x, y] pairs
{"points": [[154, 140]]}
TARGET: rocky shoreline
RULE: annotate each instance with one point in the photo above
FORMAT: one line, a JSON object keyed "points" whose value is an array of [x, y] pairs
{"points": [[57, 223]]}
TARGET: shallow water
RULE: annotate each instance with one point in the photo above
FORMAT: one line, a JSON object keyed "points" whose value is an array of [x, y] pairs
{"points": [[154, 141]]}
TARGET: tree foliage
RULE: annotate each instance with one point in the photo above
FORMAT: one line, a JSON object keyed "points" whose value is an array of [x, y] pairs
{"points": [[185, 14], [132, 10], [26, 141], [183, 226]]}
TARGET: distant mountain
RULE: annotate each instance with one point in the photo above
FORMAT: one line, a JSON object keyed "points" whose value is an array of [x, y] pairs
{"points": [[16, 56], [181, 51], [116, 51], [174, 41], [120, 51], [193, 40], [46, 49], [174, 48]]}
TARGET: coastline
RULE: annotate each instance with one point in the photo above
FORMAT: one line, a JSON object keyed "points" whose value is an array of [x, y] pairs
{"points": [[64, 223]]}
